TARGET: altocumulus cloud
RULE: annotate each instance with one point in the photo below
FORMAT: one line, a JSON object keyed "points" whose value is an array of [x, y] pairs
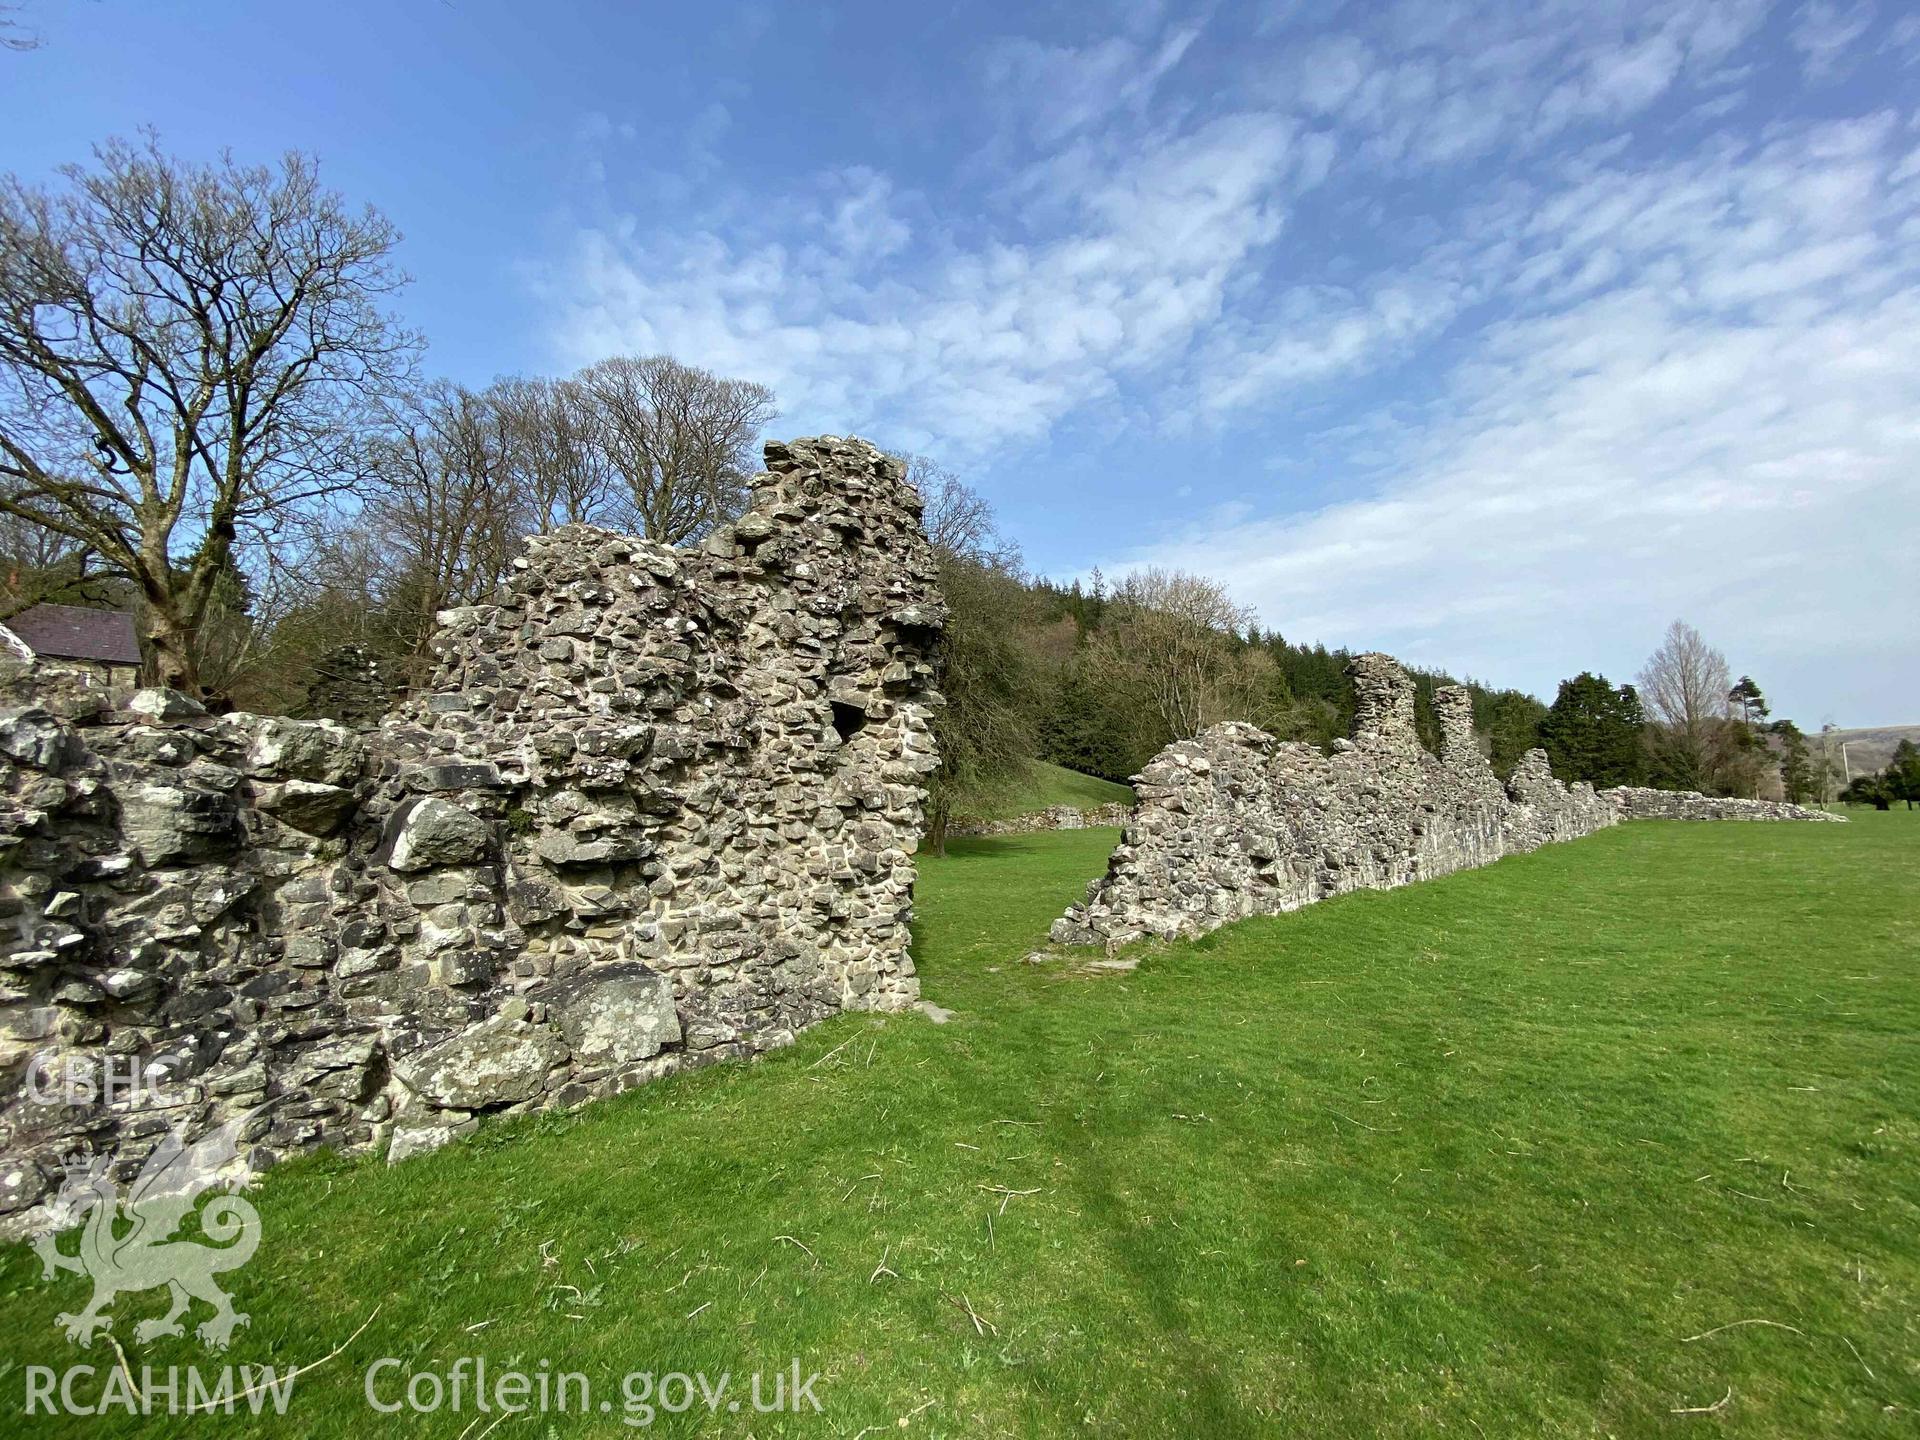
{"points": [[838, 305], [1727, 427], [1574, 322]]}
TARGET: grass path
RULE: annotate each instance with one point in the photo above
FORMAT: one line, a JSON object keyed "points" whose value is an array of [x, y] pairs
{"points": [[1473, 1157]]}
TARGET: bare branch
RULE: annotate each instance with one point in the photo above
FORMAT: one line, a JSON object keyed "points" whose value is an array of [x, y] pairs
{"points": [[12, 37], [187, 353], [680, 438], [1170, 637]]}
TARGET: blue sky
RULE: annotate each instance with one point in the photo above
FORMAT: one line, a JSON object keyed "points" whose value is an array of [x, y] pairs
{"points": [[1495, 336]]}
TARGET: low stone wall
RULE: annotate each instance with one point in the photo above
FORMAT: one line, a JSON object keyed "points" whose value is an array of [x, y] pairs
{"points": [[1054, 817], [657, 808], [1638, 803], [1235, 823]]}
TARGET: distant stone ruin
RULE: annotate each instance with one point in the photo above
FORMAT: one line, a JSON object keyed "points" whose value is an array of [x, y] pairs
{"points": [[1054, 817], [351, 685], [656, 808], [1639, 803], [1234, 823]]}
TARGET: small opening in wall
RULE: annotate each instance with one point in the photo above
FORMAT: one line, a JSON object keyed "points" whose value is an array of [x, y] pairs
{"points": [[848, 720]]}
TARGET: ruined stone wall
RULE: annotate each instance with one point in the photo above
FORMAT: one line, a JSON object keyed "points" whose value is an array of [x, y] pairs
{"points": [[1054, 817], [1235, 823], [352, 685], [657, 808], [1638, 803]]}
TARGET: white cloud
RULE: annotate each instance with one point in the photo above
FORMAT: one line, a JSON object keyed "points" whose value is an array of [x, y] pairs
{"points": [[1114, 237], [1825, 33], [1316, 333], [1063, 89], [1646, 387], [1441, 81], [1905, 37], [1729, 434], [973, 346]]}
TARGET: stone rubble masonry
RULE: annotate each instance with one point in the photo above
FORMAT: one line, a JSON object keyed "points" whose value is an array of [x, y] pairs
{"points": [[1235, 823], [1638, 803], [1054, 817], [657, 808], [351, 685]]}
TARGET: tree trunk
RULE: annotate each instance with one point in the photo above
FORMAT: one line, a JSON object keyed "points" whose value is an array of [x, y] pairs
{"points": [[939, 812], [170, 661]]}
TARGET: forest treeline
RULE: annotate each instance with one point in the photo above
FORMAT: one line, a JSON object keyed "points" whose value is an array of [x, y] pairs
{"points": [[1097, 676]]}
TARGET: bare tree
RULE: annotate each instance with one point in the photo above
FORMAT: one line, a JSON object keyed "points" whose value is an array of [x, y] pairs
{"points": [[1170, 636], [243, 641], [958, 520], [680, 438], [1684, 687], [457, 478], [182, 350], [446, 513], [553, 451], [39, 565]]}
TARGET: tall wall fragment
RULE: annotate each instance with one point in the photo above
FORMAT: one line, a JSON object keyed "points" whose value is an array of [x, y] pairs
{"points": [[656, 808]]}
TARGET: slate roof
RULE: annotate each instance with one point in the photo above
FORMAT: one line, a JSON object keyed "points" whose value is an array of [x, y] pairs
{"points": [[74, 632]]}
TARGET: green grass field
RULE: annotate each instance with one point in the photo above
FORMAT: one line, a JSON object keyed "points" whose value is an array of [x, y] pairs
{"points": [[1040, 786], [1565, 1146]]}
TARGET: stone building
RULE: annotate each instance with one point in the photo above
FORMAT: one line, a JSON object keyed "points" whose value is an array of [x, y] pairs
{"points": [[97, 645]]}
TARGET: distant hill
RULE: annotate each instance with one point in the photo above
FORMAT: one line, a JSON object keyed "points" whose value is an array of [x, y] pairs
{"points": [[1869, 750]]}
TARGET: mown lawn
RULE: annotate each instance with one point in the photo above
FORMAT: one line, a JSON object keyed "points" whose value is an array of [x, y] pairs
{"points": [[1560, 1147]]}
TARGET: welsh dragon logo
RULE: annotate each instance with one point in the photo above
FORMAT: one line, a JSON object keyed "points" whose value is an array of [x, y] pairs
{"points": [[128, 1245]]}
